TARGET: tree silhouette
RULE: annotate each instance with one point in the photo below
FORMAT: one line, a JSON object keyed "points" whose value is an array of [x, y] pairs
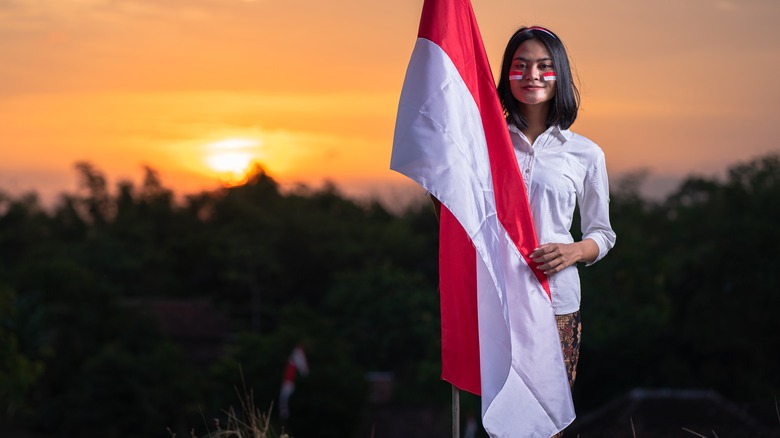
{"points": [[686, 299]]}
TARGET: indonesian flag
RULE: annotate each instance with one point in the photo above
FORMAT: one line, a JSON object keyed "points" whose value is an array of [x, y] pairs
{"points": [[499, 337]]}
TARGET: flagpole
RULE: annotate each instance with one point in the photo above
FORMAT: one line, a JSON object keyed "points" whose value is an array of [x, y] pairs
{"points": [[455, 412]]}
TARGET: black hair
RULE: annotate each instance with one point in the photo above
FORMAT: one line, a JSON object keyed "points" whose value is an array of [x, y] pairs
{"points": [[565, 103]]}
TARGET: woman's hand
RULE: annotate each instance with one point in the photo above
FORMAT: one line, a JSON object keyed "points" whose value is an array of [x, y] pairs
{"points": [[555, 257]]}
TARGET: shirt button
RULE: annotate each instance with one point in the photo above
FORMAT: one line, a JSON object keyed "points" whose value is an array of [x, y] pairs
{"points": [[528, 170]]}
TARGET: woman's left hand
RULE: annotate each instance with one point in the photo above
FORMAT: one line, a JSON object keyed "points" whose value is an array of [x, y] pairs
{"points": [[555, 257]]}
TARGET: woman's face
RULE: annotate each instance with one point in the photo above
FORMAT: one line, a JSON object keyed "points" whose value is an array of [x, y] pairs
{"points": [[533, 60]]}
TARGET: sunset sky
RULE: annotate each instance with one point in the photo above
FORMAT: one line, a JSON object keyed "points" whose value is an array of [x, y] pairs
{"points": [[196, 89]]}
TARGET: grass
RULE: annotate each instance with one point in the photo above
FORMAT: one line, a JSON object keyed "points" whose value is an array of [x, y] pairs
{"points": [[248, 422]]}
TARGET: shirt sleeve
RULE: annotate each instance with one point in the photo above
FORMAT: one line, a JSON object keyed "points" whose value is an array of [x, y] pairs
{"points": [[594, 207]]}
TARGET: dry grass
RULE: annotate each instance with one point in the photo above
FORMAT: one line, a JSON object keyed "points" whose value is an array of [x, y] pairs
{"points": [[248, 422]]}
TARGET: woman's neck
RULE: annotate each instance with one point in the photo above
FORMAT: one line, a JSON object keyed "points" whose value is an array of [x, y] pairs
{"points": [[536, 117]]}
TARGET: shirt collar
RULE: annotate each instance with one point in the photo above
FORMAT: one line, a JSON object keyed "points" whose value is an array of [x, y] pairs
{"points": [[563, 135]]}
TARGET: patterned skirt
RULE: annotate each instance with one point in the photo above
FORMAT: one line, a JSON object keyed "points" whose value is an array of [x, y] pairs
{"points": [[570, 331]]}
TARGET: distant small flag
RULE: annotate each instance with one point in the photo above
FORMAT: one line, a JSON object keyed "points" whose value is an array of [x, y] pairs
{"points": [[549, 76], [296, 364], [515, 75]]}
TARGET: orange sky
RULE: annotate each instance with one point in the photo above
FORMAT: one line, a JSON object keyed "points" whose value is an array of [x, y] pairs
{"points": [[310, 88]]}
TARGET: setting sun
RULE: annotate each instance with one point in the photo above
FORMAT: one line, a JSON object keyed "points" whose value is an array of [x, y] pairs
{"points": [[232, 158]]}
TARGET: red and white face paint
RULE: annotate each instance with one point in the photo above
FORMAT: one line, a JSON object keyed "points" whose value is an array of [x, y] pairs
{"points": [[515, 75]]}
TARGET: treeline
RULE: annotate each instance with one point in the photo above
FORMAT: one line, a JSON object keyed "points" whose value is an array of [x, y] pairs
{"points": [[686, 299], [354, 283]]}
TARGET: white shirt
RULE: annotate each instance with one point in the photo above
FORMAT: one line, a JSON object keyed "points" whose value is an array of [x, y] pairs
{"points": [[562, 169]]}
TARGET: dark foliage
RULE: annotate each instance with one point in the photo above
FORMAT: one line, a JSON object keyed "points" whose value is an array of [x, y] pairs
{"points": [[80, 357], [686, 299]]}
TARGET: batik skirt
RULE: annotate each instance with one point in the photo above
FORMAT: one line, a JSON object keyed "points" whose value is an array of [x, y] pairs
{"points": [[570, 331]]}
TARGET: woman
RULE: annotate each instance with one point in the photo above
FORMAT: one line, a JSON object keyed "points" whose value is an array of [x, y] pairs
{"points": [[560, 168]]}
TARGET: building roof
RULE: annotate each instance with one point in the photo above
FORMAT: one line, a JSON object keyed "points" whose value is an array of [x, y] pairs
{"points": [[669, 413]]}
